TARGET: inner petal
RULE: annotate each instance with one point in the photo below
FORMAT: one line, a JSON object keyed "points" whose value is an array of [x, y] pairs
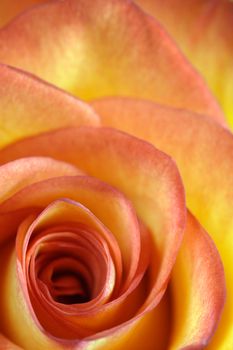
{"points": [[66, 266]]}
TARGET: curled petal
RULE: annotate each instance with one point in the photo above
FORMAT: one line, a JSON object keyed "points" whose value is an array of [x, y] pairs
{"points": [[100, 48], [29, 106], [22, 172], [151, 329], [197, 290], [18, 306]]}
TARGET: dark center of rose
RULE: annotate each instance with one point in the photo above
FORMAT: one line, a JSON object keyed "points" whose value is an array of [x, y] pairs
{"points": [[69, 287]]}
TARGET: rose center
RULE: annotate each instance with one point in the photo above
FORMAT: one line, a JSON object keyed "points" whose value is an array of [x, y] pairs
{"points": [[69, 287]]}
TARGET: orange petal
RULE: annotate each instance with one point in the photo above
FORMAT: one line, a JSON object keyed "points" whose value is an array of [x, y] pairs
{"points": [[151, 330], [203, 151], [18, 306], [29, 106], [25, 171], [98, 48], [203, 29], [197, 288], [9, 9]]}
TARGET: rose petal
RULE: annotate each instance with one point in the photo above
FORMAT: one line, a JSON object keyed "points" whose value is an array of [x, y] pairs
{"points": [[197, 288], [151, 330], [10, 324], [203, 151], [22, 172], [203, 29], [29, 106], [9, 9], [98, 48]]}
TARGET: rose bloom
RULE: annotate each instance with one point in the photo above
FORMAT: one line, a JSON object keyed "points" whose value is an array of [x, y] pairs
{"points": [[116, 178]]}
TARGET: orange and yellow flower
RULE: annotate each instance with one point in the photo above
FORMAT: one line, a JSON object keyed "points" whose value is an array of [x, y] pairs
{"points": [[116, 176]]}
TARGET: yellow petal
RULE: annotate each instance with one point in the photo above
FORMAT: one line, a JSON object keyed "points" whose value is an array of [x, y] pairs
{"points": [[29, 106], [197, 289]]}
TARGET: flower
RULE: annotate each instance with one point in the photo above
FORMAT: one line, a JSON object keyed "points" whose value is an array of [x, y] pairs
{"points": [[106, 202]]}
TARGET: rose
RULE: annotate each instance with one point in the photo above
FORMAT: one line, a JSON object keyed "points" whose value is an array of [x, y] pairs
{"points": [[146, 185]]}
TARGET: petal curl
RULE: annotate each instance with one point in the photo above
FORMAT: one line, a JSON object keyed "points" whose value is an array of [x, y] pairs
{"points": [[25, 171], [152, 329], [29, 106], [197, 289], [18, 306], [203, 30], [104, 48], [203, 151]]}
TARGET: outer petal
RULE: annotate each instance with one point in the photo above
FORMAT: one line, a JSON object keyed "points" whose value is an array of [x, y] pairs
{"points": [[9, 9], [29, 106], [203, 29], [197, 288], [101, 48], [204, 153]]}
